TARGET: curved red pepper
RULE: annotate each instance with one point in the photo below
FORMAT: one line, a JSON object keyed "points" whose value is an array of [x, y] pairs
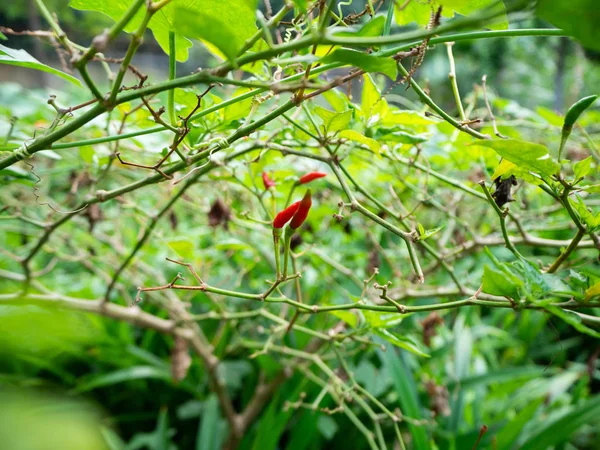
{"points": [[310, 176], [302, 213], [267, 181], [284, 216]]}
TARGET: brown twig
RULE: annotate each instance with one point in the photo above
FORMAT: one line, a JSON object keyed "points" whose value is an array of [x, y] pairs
{"points": [[489, 108]]}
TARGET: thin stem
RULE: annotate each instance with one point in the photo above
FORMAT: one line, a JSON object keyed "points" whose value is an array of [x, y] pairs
{"points": [[90, 83], [300, 127], [489, 108], [407, 237], [565, 254], [172, 75], [136, 41], [454, 82], [276, 249], [60, 34], [581, 230], [502, 217], [405, 224], [103, 40], [270, 24], [429, 102], [287, 238]]}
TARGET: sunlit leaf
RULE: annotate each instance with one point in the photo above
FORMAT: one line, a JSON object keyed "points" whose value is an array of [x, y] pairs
{"points": [[526, 155], [401, 342], [334, 121], [21, 58], [583, 167], [373, 27], [579, 18], [368, 63], [420, 12], [592, 291], [361, 139], [227, 24]]}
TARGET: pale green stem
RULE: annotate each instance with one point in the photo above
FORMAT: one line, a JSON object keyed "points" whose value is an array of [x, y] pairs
{"points": [[454, 82], [172, 75]]}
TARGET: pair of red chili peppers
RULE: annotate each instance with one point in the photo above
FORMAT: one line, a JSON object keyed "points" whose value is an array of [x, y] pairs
{"points": [[296, 212], [310, 176]]}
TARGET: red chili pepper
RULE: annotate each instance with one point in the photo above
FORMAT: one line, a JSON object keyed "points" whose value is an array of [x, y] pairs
{"points": [[267, 181], [284, 216], [302, 212], [310, 176]]}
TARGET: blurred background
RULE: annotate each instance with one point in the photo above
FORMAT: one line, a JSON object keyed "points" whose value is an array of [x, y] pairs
{"points": [[563, 69]]}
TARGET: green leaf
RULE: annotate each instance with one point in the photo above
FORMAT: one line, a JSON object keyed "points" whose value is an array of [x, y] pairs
{"points": [[525, 155], [558, 429], [400, 341], [579, 18], [336, 99], [362, 139], [368, 63], [159, 439], [226, 24], [327, 426], [18, 172], [21, 58], [420, 12], [582, 168], [550, 116], [467, 7], [372, 28], [121, 376], [334, 121], [414, 11], [300, 4], [410, 119], [573, 319], [511, 431], [504, 169], [497, 282], [347, 317], [87, 153], [183, 247], [380, 320], [238, 110], [160, 24], [399, 136], [424, 234], [373, 106], [112, 439], [498, 376], [585, 215], [408, 397], [592, 291], [211, 430]]}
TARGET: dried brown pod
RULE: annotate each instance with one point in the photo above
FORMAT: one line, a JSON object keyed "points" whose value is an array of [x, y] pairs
{"points": [[180, 359], [503, 193], [429, 324], [219, 214]]}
